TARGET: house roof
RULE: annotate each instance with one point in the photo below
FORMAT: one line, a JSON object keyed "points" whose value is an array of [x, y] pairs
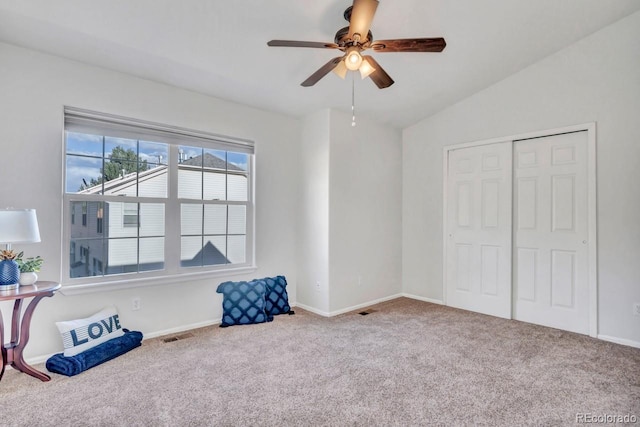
{"points": [[208, 255], [208, 160]]}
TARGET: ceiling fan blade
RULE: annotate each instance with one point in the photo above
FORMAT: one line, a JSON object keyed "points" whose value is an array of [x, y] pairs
{"points": [[296, 43], [323, 71], [379, 76], [409, 45], [361, 18]]}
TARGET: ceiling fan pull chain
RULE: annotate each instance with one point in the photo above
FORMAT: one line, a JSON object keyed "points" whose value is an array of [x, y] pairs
{"points": [[353, 99]]}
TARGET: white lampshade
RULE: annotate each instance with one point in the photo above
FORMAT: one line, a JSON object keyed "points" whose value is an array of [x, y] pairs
{"points": [[353, 59], [341, 70], [19, 226], [366, 69]]}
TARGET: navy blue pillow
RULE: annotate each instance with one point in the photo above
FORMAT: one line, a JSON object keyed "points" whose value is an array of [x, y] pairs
{"points": [[243, 303], [277, 298]]}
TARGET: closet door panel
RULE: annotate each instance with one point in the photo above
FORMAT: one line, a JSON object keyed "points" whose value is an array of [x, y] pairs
{"points": [[551, 220], [478, 248]]}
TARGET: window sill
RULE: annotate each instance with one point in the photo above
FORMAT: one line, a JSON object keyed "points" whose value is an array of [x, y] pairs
{"points": [[87, 288]]}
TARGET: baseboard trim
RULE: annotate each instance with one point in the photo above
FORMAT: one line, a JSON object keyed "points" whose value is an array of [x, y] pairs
{"points": [[311, 309], [36, 360], [364, 304], [182, 328], [425, 299], [622, 341], [346, 309]]}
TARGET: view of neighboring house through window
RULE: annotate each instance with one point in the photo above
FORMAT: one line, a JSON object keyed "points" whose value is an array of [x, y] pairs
{"points": [[212, 233], [143, 192]]}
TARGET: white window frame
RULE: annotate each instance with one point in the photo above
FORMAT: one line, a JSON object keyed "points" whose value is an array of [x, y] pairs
{"points": [[80, 120]]}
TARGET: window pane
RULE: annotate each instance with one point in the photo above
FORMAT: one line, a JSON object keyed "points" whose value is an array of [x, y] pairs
{"points": [[238, 161], [123, 256], [86, 257], [151, 220], [120, 149], [237, 249], [214, 159], [85, 222], [83, 175], [190, 156], [190, 219], [84, 144], [214, 250], [121, 178], [190, 172], [237, 188], [153, 182], [215, 219], [214, 185], [237, 219], [151, 253], [118, 214], [189, 183], [154, 152], [191, 251]]}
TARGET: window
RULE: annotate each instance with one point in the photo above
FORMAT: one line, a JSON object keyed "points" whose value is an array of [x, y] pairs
{"points": [[99, 218], [165, 200], [130, 215], [84, 214]]}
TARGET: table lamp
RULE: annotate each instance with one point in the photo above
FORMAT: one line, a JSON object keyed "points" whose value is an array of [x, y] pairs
{"points": [[16, 226]]}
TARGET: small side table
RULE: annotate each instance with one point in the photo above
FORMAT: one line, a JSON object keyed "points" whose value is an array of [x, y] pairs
{"points": [[12, 352]]}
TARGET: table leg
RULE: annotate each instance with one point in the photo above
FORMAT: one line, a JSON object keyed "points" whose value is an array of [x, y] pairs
{"points": [[19, 343], [15, 321], [2, 349]]}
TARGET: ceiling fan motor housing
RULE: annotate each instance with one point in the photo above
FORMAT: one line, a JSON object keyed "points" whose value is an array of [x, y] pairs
{"points": [[342, 39]]}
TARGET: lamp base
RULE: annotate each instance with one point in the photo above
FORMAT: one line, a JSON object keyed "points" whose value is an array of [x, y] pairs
{"points": [[9, 287]]}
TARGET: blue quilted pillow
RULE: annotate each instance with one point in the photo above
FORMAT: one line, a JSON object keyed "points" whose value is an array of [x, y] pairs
{"points": [[277, 297], [243, 303]]}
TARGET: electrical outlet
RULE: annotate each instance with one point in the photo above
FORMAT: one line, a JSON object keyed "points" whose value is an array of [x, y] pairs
{"points": [[318, 286], [359, 280], [136, 304], [636, 309]]}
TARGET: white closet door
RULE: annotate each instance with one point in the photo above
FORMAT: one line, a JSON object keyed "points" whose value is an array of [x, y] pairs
{"points": [[478, 248], [550, 232]]}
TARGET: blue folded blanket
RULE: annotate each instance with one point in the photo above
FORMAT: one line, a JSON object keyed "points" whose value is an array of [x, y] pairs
{"points": [[101, 353]]}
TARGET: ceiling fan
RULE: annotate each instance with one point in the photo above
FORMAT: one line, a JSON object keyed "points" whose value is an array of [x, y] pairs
{"points": [[355, 39]]}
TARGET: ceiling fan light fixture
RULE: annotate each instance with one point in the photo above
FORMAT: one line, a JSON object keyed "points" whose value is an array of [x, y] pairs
{"points": [[341, 70], [366, 69], [355, 39], [353, 59]]}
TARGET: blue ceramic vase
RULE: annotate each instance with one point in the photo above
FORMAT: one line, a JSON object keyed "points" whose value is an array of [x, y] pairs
{"points": [[9, 273]]}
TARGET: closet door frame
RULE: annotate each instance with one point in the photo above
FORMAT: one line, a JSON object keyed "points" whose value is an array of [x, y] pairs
{"points": [[592, 243]]}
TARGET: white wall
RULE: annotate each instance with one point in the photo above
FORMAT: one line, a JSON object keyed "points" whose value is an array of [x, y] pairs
{"points": [[365, 215], [34, 87], [350, 213], [313, 225], [594, 80]]}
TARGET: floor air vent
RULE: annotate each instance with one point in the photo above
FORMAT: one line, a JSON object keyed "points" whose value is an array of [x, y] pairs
{"points": [[178, 337]]}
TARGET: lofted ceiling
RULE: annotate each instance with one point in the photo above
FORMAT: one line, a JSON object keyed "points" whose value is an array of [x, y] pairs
{"points": [[220, 47]]}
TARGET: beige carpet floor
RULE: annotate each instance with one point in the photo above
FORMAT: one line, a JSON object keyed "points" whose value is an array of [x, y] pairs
{"points": [[407, 363]]}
